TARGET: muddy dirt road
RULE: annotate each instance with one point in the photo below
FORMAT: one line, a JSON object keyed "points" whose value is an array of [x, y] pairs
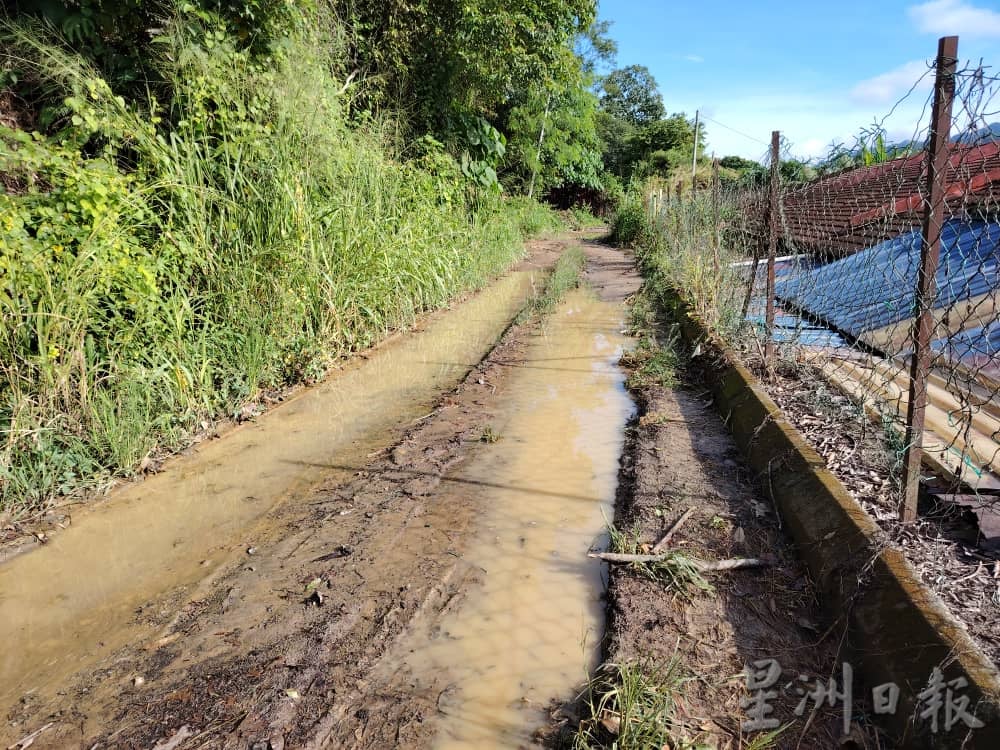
{"points": [[381, 565]]}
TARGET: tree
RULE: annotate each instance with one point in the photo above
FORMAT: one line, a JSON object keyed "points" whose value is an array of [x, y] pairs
{"points": [[476, 55], [675, 133], [595, 47], [738, 163], [631, 95], [616, 136], [554, 141]]}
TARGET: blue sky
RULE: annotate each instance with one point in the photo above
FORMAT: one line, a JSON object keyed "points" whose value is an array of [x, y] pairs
{"points": [[819, 72]]}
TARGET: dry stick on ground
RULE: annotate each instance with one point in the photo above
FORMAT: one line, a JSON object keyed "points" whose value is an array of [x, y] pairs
{"points": [[29, 740], [702, 565], [658, 547]]}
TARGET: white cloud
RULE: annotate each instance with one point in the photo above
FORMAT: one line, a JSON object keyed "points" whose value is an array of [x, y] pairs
{"points": [[889, 87], [812, 147], [809, 120], [944, 17], [694, 58]]}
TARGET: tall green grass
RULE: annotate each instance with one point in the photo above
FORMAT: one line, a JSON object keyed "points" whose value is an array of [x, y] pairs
{"points": [[681, 249], [566, 275], [165, 262]]}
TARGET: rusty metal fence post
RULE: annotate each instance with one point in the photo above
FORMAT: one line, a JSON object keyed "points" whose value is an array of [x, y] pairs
{"points": [[930, 250], [715, 215], [680, 208], [773, 211]]}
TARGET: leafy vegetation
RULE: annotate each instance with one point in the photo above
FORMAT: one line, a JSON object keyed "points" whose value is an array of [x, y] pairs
{"points": [[685, 251], [870, 147], [203, 200], [653, 364], [639, 139], [581, 218], [169, 251]]}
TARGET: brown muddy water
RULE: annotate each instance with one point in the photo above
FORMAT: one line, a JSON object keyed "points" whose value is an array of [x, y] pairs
{"points": [[531, 632], [75, 600]]}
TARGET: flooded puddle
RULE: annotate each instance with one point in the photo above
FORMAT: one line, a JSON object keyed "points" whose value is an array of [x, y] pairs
{"points": [[531, 632], [75, 600]]}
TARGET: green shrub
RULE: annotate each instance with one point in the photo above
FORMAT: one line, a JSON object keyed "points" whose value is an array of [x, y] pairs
{"points": [[630, 225], [581, 218], [160, 263], [533, 217]]}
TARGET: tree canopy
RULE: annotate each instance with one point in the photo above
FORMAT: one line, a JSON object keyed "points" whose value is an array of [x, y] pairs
{"points": [[632, 96]]}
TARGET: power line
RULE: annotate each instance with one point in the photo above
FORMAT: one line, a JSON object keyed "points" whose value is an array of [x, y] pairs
{"points": [[755, 140]]}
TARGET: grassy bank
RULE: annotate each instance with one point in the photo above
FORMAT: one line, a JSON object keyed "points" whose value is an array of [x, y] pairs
{"points": [[162, 263], [565, 276], [684, 248]]}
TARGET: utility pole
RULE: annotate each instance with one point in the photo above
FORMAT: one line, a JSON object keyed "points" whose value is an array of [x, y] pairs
{"points": [[694, 156]]}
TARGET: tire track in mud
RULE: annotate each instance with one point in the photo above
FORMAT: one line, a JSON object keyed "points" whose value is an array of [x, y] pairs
{"points": [[292, 646], [276, 648]]}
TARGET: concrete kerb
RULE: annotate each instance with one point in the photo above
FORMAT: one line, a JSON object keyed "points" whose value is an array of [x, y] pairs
{"points": [[898, 630]]}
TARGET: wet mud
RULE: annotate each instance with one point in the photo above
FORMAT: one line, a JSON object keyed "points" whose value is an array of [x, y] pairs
{"points": [[420, 579]]}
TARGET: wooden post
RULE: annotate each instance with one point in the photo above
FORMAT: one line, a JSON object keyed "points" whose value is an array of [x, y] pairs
{"points": [[680, 207], [930, 251], [752, 281], [715, 214], [694, 157], [773, 215]]}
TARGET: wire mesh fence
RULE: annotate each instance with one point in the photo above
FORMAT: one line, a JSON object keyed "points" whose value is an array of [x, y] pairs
{"points": [[884, 278]]}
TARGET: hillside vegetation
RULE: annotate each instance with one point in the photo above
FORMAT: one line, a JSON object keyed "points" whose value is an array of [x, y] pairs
{"points": [[209, 200], [202, 201]]}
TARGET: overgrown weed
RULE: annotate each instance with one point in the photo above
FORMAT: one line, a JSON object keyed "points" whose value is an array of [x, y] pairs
{"points": [[564, 277], [631, 705], [165, 263], [676, 571]]}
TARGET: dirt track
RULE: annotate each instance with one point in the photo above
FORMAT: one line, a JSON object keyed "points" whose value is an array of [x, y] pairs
{"points": [[292, 645], [262, 655]]}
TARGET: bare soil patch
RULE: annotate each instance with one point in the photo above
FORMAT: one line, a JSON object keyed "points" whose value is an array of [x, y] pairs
{"points": [[681, 462]]}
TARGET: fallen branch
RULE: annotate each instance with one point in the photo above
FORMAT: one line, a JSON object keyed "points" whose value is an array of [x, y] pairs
{"points": [[658, 547], [735, 563], [703, 566], [29, 740], [185, 732]]}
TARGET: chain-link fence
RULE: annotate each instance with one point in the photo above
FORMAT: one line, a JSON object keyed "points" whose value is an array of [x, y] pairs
{"points": [[881, 342], [837, 276]]}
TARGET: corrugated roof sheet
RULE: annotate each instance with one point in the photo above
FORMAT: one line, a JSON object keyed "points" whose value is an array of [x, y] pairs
{"points": [[851, 210], [977, 348], [874, 288]]}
